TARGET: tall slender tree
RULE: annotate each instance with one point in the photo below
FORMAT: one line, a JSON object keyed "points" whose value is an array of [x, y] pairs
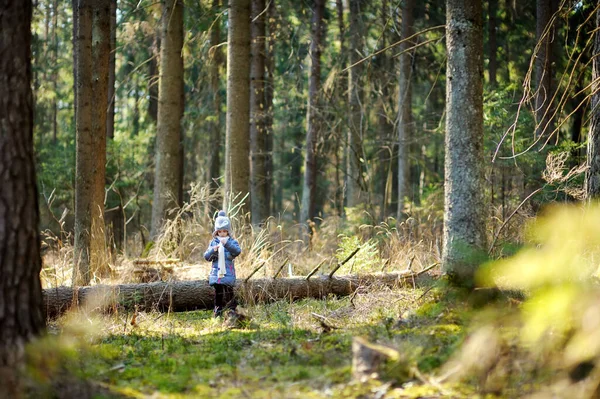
{"points": [[93, 52], [592, 175], [464, 208], [492, 42], [258, 133], [237, 148], [168, 168], [110, 117], [269, 90], [354, 156], [216, 60], [21, 317], [309, 188], [405, 118], [543, 66]]}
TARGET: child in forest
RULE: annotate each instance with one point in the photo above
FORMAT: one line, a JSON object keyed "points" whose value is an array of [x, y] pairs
{"points": [[221, 251]]}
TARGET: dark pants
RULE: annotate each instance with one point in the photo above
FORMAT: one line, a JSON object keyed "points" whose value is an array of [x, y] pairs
{"points": [[224, 298]]}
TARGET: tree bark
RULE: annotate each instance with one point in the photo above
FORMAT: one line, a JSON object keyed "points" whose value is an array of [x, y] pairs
{"points": [[354, 144], [153, 77], [93, 48], [543, 67], [309, 187], [592, 175], [269, 82], [54, 72], [167, 172], [342, 98], [216, 60], [237, 148], [258, 133], [464, 212], [182, 296], [21, 318], [110, 117], [492, 42], [405, 119]]}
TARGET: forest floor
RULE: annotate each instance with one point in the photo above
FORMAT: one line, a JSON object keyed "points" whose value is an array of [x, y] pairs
{"points": [[302, 349]]}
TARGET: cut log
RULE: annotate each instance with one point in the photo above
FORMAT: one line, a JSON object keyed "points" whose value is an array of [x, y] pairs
{"points": [[179, 296]]}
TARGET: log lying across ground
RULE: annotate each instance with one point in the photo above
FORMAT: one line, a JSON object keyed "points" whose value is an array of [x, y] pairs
{"points": [[179, 296]]}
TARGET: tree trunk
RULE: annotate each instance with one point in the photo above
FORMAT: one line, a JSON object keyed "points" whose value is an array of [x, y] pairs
{"points": [[354, 144], [492, 42], [384, 126], [21, 317], [309, 188], [237, 148], [258, 133], [592, 175], [342, 97], [167, 172], [153, 77], [405, 119], [110, 117], [464, 212], [54, 72], [543, 67], [269, 82], [93, 51], [179, 296], [216, 60]]}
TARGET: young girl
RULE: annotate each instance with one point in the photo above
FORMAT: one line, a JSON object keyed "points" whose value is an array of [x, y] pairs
{"points": [[221, 251]]}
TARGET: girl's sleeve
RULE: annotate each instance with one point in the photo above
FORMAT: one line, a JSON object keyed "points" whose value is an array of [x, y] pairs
{"points": [[210, 253], [233, 247]]}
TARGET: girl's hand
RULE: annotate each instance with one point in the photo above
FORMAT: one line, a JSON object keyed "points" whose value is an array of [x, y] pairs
{"points": [[215, 248]]}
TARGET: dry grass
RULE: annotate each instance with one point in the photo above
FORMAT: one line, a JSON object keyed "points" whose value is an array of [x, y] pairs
{"points": [[275, 246]]}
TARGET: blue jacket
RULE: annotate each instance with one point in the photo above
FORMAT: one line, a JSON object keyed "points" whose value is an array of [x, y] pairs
{"points": [[232, 249]]}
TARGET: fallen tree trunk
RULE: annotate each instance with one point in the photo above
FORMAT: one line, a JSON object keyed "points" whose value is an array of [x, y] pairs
{"points": [[178, 296]]}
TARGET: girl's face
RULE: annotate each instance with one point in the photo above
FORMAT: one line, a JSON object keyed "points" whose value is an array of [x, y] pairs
{"points": [[222, 233]]}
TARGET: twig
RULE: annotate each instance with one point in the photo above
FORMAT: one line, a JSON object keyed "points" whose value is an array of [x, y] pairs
{"points": [[313, 271], [281, 267], [342, 264], [425, 293], [410, 262], [254, 271], [428, 268], [510, 216], [387, 261], [323, 321]]}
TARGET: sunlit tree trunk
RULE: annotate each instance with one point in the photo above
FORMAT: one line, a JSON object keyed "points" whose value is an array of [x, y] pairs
{"points": [[167, 172], [21, 317], [237, 147], [464, 208], [258, 133], [309, 188], [592, 175], [405, 119], [216, 60], [93, 48]]}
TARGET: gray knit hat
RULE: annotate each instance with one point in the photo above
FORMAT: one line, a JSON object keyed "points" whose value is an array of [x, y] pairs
{"points": [[222, 222]]}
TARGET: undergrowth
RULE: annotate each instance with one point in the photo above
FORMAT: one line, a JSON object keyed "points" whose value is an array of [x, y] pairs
{"points": [[282, 351]]}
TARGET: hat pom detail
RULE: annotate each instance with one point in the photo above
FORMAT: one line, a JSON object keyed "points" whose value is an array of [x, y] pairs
{"points": [[221, 213]]}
